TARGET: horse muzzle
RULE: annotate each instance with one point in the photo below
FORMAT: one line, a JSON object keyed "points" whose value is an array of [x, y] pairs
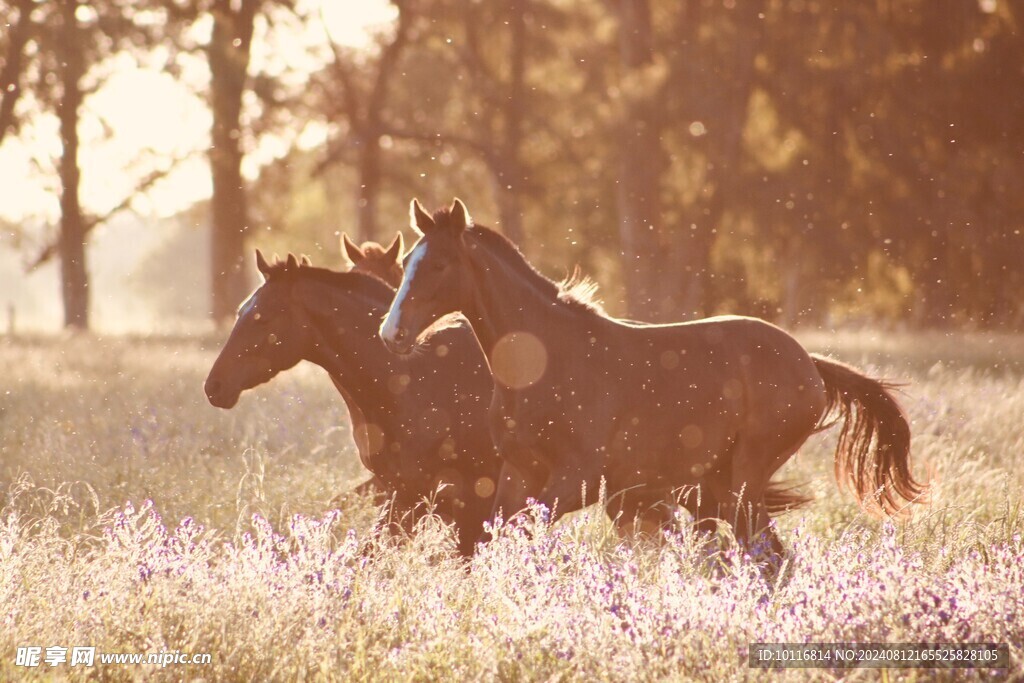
{"points": [[220, 396]]}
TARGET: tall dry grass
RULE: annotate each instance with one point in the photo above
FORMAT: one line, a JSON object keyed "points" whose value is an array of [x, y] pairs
{"points": [[137, 518]]}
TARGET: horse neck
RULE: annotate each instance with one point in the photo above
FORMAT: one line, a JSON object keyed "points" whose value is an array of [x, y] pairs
{"points": [[507, 297], [351, 352]]}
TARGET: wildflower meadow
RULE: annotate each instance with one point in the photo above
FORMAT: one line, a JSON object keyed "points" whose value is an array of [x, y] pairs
{"points": [[136, 518]]}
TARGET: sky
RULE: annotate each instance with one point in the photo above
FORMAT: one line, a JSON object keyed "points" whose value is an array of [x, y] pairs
{"points": [[142, 118]]}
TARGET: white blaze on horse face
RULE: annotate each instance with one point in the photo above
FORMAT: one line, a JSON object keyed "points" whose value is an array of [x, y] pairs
{"points": [[393, 322], [248, 304]]}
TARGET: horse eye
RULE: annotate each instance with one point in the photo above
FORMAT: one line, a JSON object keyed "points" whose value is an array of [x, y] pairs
{"points": [[272, 338]]}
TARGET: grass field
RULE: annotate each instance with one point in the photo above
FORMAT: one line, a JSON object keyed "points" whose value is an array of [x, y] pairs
{"points": [[134, 517]]}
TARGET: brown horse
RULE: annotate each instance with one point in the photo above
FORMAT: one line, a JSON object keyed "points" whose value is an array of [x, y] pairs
{"points": [[715, 406], [372, 258], [385, 263], [418, 422]]}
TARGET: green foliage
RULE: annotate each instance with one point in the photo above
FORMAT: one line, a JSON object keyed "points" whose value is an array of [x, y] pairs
{"points": [[812, 158], [808, 159]]}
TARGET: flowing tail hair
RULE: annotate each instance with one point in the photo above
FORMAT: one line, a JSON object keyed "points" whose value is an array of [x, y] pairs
{"points": [[873, 455]]}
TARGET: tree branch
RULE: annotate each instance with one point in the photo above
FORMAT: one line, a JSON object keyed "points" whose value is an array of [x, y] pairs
{"points": [[487, 152], [349, 103], [389, 59], [94, 222], [367, 124]]}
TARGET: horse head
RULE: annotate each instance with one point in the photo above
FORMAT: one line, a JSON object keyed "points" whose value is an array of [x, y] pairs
{"points": [[374, 259], [435, 270], [271, 334]]}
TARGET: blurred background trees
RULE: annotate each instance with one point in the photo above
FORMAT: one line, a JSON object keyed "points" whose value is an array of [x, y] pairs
{"points": [[806, 161], [52, 50]]}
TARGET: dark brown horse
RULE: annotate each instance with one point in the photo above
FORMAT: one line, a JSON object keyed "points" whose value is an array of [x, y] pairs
{"points": [[418, 422], [715, 406]]}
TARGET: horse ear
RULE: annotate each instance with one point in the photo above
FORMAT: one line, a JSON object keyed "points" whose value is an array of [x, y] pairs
{"points": [[352, 252], [460, 215], [420, 220], [395, 249], [304, 261], [262, 265], [291, 263]]}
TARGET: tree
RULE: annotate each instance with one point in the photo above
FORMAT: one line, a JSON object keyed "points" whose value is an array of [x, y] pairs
{"points": [[72, 225], [360, 98], [904, 116], [54, 49], [641, 162], [228, 53], [711, 81], [14, 58], [758, 157], [499, 126], [489, 111]]}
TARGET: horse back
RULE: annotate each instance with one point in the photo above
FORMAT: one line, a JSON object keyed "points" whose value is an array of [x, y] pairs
{"points": [[748, 363]]}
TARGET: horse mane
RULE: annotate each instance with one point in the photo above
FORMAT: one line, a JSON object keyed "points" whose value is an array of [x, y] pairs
{"points": [[580, 289], [576, 289], [354, 282], [443, 219]]}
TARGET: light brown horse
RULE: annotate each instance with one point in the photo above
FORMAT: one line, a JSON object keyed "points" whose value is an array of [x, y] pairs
{"points": [[373, 259], [385, 263], [417, 422], [717, 404]]}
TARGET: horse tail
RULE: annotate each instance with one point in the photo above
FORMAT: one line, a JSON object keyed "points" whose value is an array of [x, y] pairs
{"points": [[780, 497], [873, 455]]}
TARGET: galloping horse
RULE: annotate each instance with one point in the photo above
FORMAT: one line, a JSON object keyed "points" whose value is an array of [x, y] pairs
{"points": [[717, 404], [418, 422]]}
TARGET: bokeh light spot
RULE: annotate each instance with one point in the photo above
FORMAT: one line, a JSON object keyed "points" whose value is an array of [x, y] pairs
{"points": [[519, 360], [691, 436], [484, 487]]}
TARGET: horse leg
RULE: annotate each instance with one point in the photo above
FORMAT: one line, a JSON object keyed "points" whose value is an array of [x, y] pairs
{"points": [[640, 513], [564, 491], [510, 495], [743, 481], [725, 495]]}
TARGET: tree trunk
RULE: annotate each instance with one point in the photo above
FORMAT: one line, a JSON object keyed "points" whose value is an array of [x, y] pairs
{"points": [[368, 192], [369, 165], [228, 55], [509, 182], [74, 277], [640, 162], [730, 88], [792, 287], [510, 209], [692, 246]]}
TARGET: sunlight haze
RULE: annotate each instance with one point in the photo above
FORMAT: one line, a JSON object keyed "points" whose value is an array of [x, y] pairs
{"points": [[141, 120]]}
